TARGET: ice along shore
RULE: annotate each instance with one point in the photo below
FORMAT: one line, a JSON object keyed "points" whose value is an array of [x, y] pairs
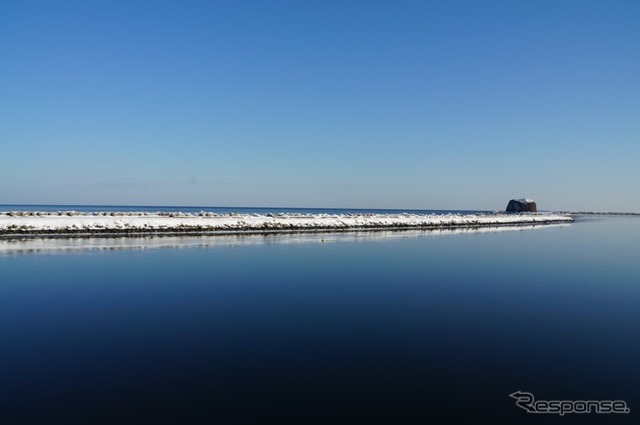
{"points": [[77, 224]]}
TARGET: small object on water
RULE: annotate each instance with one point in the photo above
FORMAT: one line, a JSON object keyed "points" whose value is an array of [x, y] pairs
{"points": [[522, 205]]}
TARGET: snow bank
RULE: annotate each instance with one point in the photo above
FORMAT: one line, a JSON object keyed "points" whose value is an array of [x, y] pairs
{"points": [[71, 222]]}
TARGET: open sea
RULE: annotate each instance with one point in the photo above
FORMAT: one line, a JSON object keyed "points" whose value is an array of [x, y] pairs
{"points": [[222, 210], [397, 327]]}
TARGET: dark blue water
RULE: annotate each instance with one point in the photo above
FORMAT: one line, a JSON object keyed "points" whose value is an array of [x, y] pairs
{"points": [[415, 329], [220, 210]]}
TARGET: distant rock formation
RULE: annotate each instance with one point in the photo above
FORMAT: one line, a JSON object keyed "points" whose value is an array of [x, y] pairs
{"points": [[522, 205]]}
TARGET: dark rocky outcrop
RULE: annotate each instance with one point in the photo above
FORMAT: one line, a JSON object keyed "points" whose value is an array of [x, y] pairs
{"points": [[522, 205]]}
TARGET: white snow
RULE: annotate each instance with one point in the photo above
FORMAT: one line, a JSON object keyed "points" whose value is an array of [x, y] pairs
{"points": [[22, 222]]}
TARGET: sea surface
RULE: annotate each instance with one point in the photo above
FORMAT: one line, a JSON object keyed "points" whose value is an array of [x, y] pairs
{"points": [[361, 327], [222, 210]]}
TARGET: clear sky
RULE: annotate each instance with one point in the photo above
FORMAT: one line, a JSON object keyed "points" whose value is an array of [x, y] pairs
{"points": [[365, 104]]}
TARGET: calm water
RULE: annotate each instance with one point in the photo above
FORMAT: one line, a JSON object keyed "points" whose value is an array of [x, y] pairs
{"points": [[390, 327], [220, 210]]}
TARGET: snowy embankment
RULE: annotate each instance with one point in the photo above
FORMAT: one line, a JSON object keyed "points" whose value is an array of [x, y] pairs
{"points": [[70, 222]]}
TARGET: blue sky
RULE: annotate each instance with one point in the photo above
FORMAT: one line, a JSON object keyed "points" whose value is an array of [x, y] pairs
{"points": [[363, 104]]}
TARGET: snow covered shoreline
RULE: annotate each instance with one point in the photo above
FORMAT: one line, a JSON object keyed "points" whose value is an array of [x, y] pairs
{"points": [[75, 223]]}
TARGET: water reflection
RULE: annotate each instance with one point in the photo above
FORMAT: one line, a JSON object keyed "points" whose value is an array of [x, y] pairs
{"points": [[394, 327], [52, 245]]}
